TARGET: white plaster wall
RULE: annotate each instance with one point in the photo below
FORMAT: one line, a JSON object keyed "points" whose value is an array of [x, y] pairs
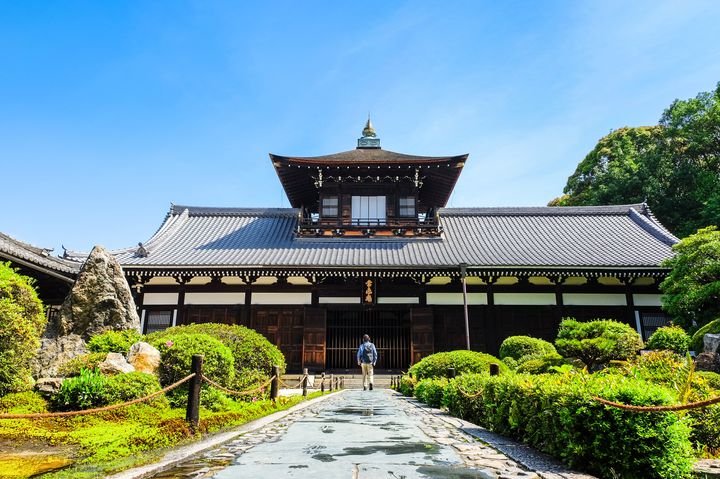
{"points": [[456, 298], [339, 300], [524, 298], [215, 298], [397, 300], [160, 299], [281, 298], [647, 299], [594, 299]]}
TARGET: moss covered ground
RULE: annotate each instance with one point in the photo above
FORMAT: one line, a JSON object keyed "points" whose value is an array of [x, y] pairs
{"points": [[105, 443]]}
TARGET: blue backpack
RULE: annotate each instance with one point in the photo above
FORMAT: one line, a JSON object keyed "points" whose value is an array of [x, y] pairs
{"points": [[367, 354]]}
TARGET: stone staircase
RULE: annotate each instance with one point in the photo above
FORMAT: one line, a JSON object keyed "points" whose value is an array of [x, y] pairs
{"points": [[352, 381]]}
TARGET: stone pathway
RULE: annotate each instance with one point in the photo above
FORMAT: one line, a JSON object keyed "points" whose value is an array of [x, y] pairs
{"points": [[356, 434]]}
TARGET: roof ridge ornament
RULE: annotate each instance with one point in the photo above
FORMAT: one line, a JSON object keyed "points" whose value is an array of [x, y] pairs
{"points": [[369, 137]]}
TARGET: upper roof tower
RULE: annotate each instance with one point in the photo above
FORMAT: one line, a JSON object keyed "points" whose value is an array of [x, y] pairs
{"points": [[369, 137]]}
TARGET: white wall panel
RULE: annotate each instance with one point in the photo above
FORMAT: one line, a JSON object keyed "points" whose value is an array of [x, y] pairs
{"points": [[214, 298], [150, 299], [456, 298], [397, 300], [647, 299], [281, 298], [594, 299], [536, 299], [339, 300]]}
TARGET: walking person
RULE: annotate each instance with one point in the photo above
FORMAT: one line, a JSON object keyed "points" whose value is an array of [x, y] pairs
{"points": [[367, 357]]}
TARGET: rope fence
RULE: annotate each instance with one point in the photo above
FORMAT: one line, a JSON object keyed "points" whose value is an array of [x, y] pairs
{"points": [[674, 407], [196, 378], [85, 412], [238, 393]]}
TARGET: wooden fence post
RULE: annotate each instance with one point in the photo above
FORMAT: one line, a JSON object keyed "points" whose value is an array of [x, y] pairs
{"points": [[332, 382], [494, 369], [275, 384], [451, 373], [305, 382], [192, 414], [322, 383]]}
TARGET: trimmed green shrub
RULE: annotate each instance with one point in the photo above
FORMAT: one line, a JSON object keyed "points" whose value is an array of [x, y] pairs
{"points": [[518, 346], [114, 341], [540, 364], [697, 342], [671, 338], [27, 402], [436, 365], [73, 366], [407, 385], [176, 354], [430, 391], [556, 414], [662, 367], [126, 387], [22, 322], [511, 363], [253, 354], [82, 392], [597, 342]]}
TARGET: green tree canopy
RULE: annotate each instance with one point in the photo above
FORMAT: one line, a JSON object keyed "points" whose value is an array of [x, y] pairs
{"points": [[692, 289], [22, 322], [675, 165]]}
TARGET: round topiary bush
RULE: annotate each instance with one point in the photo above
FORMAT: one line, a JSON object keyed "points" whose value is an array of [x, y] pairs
{"points": [[542, 364], [697, 342], [597, 342], [518, 346], [407, 385], [82, 392], [22, 322], [176, 354], [114, 341], [670, 338], [126, 387], [436, 365], [253, 354]]}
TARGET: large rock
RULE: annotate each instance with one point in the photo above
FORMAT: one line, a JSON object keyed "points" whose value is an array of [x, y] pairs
{"points": [[54, 352], [708, 362], [48, 386], [144, 357], [99, 301], [115, 363], [711, 343]]}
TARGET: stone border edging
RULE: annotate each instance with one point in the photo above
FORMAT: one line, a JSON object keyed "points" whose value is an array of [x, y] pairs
{"points": [[544, 465], [183, 453]]}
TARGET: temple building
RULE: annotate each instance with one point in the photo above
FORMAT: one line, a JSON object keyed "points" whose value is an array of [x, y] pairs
{"points": [[368, 246]]}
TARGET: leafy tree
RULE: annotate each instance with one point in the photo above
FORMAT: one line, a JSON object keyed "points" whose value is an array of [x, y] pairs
{"points": [[675, 165], [692, 289], [597, 342], [22, 322]]}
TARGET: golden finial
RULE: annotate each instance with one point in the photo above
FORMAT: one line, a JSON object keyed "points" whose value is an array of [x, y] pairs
{"points": [[369, 131]]}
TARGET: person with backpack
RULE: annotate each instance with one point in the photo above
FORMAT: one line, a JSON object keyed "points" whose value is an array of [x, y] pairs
{"points": [[367, 357]]}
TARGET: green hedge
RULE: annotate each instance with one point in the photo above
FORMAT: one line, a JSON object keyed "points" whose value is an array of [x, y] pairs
{"points": [[671, 338], [73, 366], [697, 343], [556, 414], [518, 346], [253, 354], [430, 391], [22, 322], [436, 365], [540, 364]]}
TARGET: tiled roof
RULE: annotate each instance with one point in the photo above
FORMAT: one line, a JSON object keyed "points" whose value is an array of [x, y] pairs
{"points": [[367, 155], [14, 250], [554, 237]]}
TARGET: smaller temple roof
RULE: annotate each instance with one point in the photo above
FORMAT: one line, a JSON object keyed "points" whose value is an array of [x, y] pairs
{"points": [[37, 258]]}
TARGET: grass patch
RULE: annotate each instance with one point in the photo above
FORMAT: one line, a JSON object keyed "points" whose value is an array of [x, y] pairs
{"points": [[112, 441]]}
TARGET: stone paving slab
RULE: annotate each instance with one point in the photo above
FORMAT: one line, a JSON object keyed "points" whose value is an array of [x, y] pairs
{"points": [[356, 434]]}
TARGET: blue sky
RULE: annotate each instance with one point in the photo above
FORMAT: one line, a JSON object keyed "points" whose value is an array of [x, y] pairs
{"points": [[110, 111]]}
